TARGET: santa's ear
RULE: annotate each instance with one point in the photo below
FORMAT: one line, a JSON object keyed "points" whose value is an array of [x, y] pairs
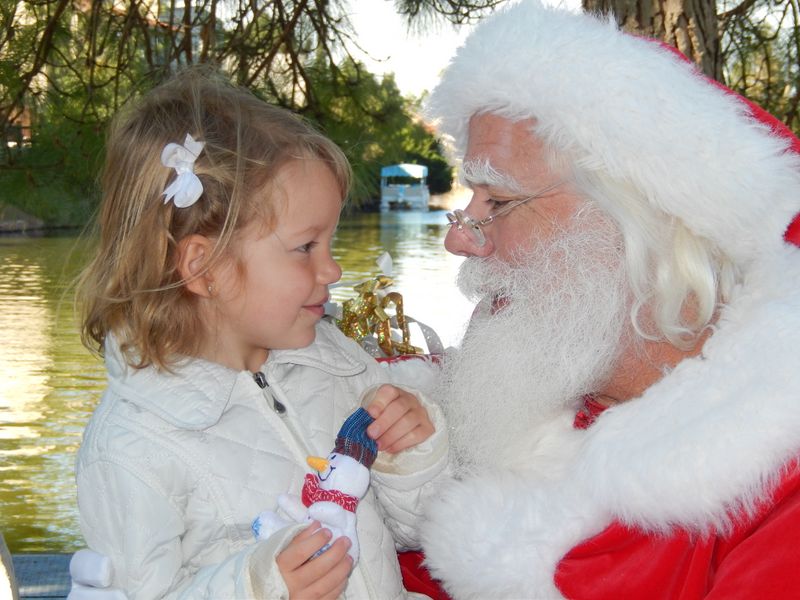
{"points": [[194, 252]]}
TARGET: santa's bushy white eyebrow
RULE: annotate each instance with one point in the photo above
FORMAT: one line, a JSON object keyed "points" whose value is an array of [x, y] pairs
{"points": [[481, 172]]}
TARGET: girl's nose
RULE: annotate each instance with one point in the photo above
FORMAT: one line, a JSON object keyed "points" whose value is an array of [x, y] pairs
{"points": [[330, 271], [461, 242]]}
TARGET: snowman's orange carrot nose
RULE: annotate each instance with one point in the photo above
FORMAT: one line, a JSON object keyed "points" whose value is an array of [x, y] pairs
{"points": [[318, 464]]}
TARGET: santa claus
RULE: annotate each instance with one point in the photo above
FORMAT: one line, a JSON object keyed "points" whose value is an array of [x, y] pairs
{"points": [[625, 407]]}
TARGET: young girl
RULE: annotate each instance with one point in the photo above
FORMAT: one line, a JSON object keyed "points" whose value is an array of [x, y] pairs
{"points": [[206, 298]]}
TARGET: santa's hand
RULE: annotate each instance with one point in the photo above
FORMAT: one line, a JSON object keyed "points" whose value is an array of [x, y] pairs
{"points": [[400, 419], [324, 576]]}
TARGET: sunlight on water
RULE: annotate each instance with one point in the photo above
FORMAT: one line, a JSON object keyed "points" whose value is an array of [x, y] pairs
{"points": [[50, 383], [43, 406]]}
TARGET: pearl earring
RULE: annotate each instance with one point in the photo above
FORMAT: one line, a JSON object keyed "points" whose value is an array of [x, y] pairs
{"points": [[210, 289]]}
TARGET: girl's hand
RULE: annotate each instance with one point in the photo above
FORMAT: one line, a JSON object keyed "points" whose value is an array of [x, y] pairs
{"points": [[400, 419], [322, 577]]}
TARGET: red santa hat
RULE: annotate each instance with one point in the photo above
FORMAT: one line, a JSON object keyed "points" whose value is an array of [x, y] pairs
{"points": [[631, 108]]}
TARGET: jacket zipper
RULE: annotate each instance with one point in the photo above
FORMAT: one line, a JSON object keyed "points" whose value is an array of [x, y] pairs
{"points": [[261, 381], [280, 410]]}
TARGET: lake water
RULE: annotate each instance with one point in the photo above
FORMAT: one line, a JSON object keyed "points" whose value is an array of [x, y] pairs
{"points": [[50, 383]]}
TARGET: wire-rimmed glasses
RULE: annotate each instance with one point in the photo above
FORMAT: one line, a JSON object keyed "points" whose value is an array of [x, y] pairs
{"points": [[472, 227]]}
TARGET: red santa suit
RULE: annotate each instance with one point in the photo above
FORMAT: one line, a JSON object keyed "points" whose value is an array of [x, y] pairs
{"points": [[690, 490], [626, 562], [756, 557]]}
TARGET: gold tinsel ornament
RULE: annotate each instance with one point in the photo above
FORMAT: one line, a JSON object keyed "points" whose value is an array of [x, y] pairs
{"points": [[366, 320]]}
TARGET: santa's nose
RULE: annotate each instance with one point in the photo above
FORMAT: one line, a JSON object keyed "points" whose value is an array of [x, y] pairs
{"points": [[461, 242]]}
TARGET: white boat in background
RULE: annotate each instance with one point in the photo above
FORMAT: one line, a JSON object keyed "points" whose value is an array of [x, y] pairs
{"points": [[404, 187]]}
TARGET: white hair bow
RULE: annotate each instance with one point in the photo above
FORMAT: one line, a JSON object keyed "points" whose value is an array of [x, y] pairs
{"points": [[186, 188]]}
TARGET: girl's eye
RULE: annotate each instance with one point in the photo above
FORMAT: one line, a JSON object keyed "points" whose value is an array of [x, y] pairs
{"points": [[307, 247]]}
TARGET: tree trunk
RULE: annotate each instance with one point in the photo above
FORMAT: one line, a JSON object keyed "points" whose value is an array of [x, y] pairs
{"points": [[689, 25]]}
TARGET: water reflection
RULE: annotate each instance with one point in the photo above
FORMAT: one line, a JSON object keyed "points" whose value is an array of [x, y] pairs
{"points": [[50, 383], [42, 406]]}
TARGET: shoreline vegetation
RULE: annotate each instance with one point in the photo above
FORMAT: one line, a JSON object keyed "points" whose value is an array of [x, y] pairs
{"points": [[14, 220]]}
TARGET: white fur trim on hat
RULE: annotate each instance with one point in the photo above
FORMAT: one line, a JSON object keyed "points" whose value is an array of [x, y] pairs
{"points": [[631, 108]]}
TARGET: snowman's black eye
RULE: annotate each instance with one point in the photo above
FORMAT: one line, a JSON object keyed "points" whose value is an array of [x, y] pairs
{"points": [[331, 457]]}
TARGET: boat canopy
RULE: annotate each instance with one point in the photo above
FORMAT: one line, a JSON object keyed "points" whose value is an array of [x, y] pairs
{"points": [[405, 170]]}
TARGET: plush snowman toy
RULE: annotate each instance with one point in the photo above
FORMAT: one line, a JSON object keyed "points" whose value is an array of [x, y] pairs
{"points": [[330, 495]]}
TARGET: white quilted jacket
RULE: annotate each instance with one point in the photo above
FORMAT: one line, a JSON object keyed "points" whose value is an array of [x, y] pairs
{"points": [[174, 468]]}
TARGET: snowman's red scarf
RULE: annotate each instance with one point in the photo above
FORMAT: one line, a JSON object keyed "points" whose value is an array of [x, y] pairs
{"points": [[313, 493]]}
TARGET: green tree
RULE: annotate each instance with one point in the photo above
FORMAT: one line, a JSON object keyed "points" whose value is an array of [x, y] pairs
{"points": [[761, 45], [374, 124], [67, 66]]}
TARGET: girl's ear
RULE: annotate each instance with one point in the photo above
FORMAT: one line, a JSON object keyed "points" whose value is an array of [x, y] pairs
{"points": [[193, 254]]}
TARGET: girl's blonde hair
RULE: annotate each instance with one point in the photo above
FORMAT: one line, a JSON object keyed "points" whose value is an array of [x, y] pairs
{"points": [[133, 287]]}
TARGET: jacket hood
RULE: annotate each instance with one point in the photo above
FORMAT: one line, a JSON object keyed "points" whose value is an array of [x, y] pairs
{"points": [[632, 109]]}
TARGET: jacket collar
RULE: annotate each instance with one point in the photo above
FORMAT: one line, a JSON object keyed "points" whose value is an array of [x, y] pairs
{"points": [[325, 353], [195, 395]]}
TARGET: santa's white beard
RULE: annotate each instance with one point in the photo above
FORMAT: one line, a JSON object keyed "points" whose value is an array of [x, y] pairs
{"points": [[555, 339]]}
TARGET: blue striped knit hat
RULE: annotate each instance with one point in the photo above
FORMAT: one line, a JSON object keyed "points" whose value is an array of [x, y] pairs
{"points": [[353, 440]]}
